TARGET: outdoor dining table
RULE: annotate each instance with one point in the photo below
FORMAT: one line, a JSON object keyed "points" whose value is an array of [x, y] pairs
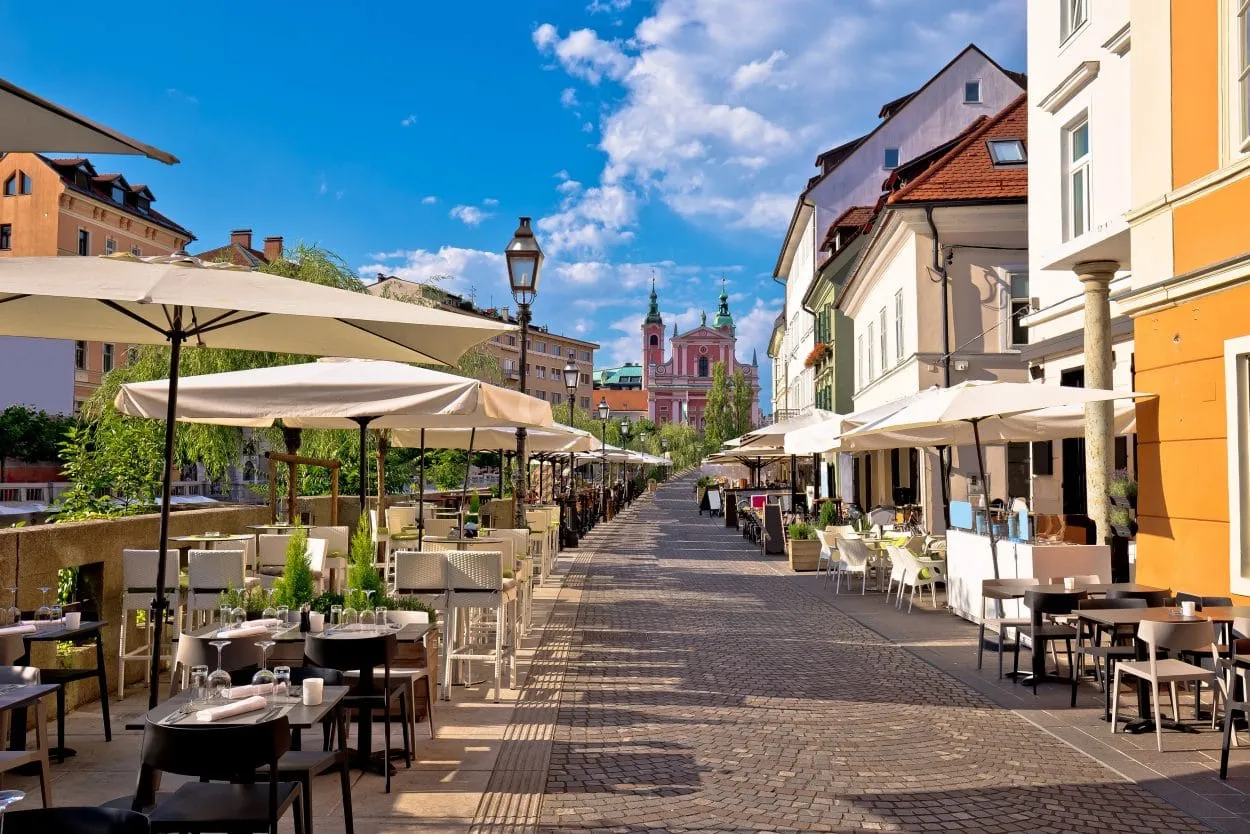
{"points": [[209, 539], [277, 527], [59, 677], [1223, 615], [17, 698]]}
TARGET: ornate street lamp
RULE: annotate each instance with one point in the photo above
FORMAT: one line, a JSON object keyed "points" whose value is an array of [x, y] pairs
{"points": [[626, 428], [525, 262], [571, 375], [604, 414]]}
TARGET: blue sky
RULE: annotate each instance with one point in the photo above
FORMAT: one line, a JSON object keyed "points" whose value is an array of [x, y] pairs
{"points": [[668, 137]]}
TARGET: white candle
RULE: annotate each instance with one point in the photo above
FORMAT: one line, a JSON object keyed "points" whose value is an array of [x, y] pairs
{"points": [[313, 691], [316, 621]]}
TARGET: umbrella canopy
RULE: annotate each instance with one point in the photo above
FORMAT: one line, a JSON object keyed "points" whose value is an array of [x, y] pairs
{"points": [[121, 298], [558, 438], [37, 125], [991, 412], [177, 298], [824, 435], [774, 434], [337, 394]]}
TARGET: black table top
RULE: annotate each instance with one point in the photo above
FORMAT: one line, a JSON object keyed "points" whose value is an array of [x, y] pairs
{"points": [[15, 695], [87, 628], [300, 716], [409, 633]]}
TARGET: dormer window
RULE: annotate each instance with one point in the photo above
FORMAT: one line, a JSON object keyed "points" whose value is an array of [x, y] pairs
{"points": [[118, 194], [81, 179], [142, 204], [890, 162], [1007, 151]]}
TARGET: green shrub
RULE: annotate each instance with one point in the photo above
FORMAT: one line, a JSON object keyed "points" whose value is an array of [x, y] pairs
{"points": [[296, 585], [253, 600], [829, 515], [323, 602], [802, 531], [362, 574]]}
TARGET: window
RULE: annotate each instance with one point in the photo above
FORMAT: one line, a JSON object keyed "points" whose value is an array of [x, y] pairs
{"points": [[1237, 47], [1076, 178], [78, 407], [541, 372], [1020, 306], [585, 402], [702, 366], [119, 194], [1237, 403], [1072, 16], [871, 343], [891, 158], [84, 242], [885, 363], [585, 356], [972, 92], [541, 347], [585, 379], [654, 340], [108, 358], [542, 395], [136, 251], [80, 355], [512, 341], [555, 399], [110, 246], [24, 186], [6, 236], [1018, 479], [1007, 151], [898, 326], [863, 377], [10, 186]]}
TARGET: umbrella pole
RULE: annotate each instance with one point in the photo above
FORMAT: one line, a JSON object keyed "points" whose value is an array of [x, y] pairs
{"points": [[159, 603], [468, 467], [364, 422], [421, 495], [985, 491]]}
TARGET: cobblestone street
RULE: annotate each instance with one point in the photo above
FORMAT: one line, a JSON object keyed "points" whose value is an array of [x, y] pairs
{"points": [[703, 691]]}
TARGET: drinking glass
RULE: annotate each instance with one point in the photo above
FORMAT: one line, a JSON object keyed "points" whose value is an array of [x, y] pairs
{"points": [[57, 614], [7, 798], [219, 680], [336, 615], [44, 613], [367, 618], [263, 675], [199, 685], [225, 617], [281, 681], [379, 615], [284, 616], [14, 614]]}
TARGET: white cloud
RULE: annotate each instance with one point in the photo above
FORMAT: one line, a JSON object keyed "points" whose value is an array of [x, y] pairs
{"points": [[568, 98], [490, 201], [597, 6], [429, 200], [469, 215], [588, 127], [583, 54], [175, 93], [756, 72], [408, 121], [466, 269]]}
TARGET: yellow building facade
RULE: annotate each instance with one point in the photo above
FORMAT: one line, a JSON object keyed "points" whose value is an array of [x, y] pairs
{"points": [[1190, 296]]}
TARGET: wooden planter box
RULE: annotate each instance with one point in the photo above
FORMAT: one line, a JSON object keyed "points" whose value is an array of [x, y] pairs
{"points": [[803, 553]]}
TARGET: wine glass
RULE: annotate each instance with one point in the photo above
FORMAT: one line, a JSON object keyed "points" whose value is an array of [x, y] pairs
{"points": [[238, 616], [270, 613], [263, 675], [8, 798], [44, 613], [367, 618], [379, 614], [14, 613], [219, 680]]}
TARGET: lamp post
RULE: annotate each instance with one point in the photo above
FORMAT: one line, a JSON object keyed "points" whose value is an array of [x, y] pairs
{"points": [[570, 384], [525, 262], [626, 430], [664, 453], [604, 414]]}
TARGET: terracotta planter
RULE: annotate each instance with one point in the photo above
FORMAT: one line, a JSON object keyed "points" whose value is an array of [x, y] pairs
{"points": [[803, 554]]}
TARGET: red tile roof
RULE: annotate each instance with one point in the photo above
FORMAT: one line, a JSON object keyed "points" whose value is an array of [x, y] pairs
{"points": [[236, 254], [101, 190], [966, 172], [853, 219], [627, 400]]}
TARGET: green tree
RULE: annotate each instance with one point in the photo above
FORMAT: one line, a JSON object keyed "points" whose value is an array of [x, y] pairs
{"points": [[296, 585], [740, 403], [362, 573], [31, 436], [717, 415]]}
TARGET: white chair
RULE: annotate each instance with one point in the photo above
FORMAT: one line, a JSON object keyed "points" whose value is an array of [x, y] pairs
{"points": [[913, 568], [829, 546], [397, 518], [440, 527], [271, 556], [209, 574], [854, 557], [523, 569], [540, 524], [898, 573], [138, 589], [247, 546], [475, 582], [338, 551], [1177, 637], [412, 672]]}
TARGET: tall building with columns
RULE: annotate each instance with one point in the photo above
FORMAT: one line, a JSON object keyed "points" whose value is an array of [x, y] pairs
{"points": [[1080, 176], [677, 387]]}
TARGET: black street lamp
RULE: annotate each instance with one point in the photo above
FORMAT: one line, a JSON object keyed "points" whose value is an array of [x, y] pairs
{"points": [[626, 430], [525, 263], [571, 375], [604, 414]]}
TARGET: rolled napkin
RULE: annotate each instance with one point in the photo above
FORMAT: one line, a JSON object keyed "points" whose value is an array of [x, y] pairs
{"points": [[237, 693], [249, 629], [252, 704], [21, 628]]}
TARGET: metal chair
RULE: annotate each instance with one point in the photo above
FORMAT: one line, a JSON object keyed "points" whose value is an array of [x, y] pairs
{"points": [[1003, 623]]}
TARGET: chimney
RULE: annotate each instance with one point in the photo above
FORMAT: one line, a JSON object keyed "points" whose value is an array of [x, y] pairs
{"points": [[273, 249], [241, 237]]}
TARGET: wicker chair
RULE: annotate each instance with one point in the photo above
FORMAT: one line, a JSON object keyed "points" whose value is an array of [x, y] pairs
{"points": [[209, 574], [475, 582], [139, 586]]}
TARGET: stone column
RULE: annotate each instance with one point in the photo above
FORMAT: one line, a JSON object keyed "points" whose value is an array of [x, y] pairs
{"points": [[1095, 278]]}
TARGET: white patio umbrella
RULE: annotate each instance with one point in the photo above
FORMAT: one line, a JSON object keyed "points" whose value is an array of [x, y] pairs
{"points": [[824, 435], [37, 125], [178, 299], [974, 411], [774, 434]]}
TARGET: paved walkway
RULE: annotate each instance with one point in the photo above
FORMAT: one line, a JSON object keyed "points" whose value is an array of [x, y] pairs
{"points": [[698, 689]]}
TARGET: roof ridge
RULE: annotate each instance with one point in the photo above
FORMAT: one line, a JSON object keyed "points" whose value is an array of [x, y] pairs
{"points": [[987, 125]]}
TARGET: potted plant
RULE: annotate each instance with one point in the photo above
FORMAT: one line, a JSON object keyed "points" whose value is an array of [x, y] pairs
{"points": [[362, 571], [802, 547], [296, 585], [1122, 490]]}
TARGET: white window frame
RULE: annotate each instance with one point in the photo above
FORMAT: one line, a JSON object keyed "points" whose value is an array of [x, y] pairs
{"points": [[885, 348], [1237, 406], [871, 345], [1234, 79], [898, 327], [863, 377], [1073, 17], [110, 246], [980, 99], [1071, 168]]}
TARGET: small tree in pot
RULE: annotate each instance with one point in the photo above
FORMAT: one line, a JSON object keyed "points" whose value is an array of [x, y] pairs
{"points": [[802, 547]]}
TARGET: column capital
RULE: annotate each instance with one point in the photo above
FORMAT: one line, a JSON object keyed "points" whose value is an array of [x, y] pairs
{"points": [[1097, 271]]}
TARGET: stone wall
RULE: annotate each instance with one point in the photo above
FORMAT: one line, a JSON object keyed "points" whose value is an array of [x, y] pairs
{"points": [[33, 555]]}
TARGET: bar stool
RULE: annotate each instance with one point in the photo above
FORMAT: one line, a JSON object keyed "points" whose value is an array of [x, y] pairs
{"points": [[139, 581]]}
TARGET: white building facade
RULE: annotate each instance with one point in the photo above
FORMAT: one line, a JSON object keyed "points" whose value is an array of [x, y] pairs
{"points": [[1080, 138]]}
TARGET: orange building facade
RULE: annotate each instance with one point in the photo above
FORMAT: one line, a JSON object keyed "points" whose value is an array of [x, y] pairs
{"points": [[1190, 296], [66, 207]]}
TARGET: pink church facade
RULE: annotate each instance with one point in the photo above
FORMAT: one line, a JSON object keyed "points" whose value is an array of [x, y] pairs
{"points": [[677, 381]]}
